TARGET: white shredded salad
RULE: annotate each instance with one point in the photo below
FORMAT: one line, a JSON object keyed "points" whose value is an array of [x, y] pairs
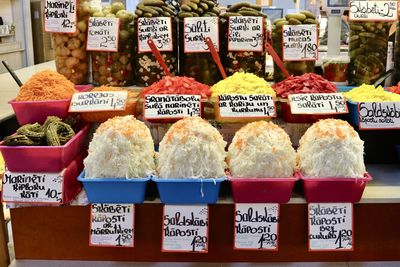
{"points": [[122, 147], [261, 149], [192, 148], [331, 148]]}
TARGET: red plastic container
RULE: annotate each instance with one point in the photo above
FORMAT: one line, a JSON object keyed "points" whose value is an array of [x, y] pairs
{"points": [[334, 189], [37, 111], [262, 190], [300, 118], [43, 158]]}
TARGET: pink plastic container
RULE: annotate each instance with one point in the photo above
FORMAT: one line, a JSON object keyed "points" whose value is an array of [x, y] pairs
{"points": [[262, 190], [72, 186], [37, 111], [43, 158], [334, 189]]}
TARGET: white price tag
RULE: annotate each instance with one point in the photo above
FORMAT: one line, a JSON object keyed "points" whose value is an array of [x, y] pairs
{"points": [[103, 34], [33, 187], [330, 226], [60, 16], [157, 29], [196, 30], [185, 228], [112, 225], [331, 103], [250, 106], [300, 42], [246, 34], [98, 101], [256, 226], [171, 106], [379, 115], [373, 10]]}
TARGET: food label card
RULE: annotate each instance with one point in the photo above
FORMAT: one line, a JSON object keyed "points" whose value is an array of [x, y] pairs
{"points": [[112, 225], [171, 106], [33, 187], [332, 103], [251, 106], [196, 30], [157, 29], [185, 228], [330, 226], [103, 34], [379, 115], [256, 226], [60, 16], [300, 42], [98, 101], [246, 34], [373, 10]]}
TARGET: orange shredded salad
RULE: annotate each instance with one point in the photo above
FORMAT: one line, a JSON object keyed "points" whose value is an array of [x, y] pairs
{"points": [[46, 85]]}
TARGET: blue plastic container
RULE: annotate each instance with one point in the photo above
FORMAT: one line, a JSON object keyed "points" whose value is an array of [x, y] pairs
{"points": [[188, 190], [352, 117], [114, 190]]}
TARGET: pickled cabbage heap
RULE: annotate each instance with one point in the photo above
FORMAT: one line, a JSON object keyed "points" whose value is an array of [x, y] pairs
{"points": [[192, 148]]}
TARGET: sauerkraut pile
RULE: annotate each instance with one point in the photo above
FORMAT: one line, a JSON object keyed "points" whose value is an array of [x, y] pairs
{"points": [[261, 149], [192, 148], [122, 147], [331, 148]]}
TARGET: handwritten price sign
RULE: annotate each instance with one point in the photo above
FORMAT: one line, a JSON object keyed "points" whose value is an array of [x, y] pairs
{"points": [[373, 10], [171, 106], [256, 226], [379, 115], [330, 226], [98, 101], [249, 106], [157, 29], [333, 103], [112, 225], [185, 228], [103, 34], [33, 187], [196, 30], [246, 34], [60, 16], [300, 42]]}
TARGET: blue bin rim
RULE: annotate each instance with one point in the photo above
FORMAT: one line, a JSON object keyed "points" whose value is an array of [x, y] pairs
{"points": [[82, 179], [188, 180]]}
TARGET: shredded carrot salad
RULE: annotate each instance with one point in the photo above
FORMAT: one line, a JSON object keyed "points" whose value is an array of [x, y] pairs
{"points": [[46, 85]]}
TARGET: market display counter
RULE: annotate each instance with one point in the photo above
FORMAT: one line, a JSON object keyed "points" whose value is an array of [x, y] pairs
{"points": [[62, 233]]}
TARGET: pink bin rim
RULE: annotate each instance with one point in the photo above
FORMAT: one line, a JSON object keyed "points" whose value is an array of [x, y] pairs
{"points": [[263, 179], [367, 177], [13, 101]]}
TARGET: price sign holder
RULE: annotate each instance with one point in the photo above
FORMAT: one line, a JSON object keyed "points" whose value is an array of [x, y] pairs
{"points": [[373, 10], [98, 101], [321, 104], [112, 225], [256, 226], [158, 29], [67, 13], [304, 47], [246, 106], [103, 34], [33, 188], [171, 106], [330, 227], [196, 30], [249, 31], [374, 115], [185, 228]]}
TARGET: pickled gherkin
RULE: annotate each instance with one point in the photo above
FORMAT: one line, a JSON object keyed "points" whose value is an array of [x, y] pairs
{"points": [[295, 68], [115, 68], [368, 51]]}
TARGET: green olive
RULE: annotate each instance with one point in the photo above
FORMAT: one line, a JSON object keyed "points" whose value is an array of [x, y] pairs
{"points": [[110, 15], [98, 14], [124, 16]]}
